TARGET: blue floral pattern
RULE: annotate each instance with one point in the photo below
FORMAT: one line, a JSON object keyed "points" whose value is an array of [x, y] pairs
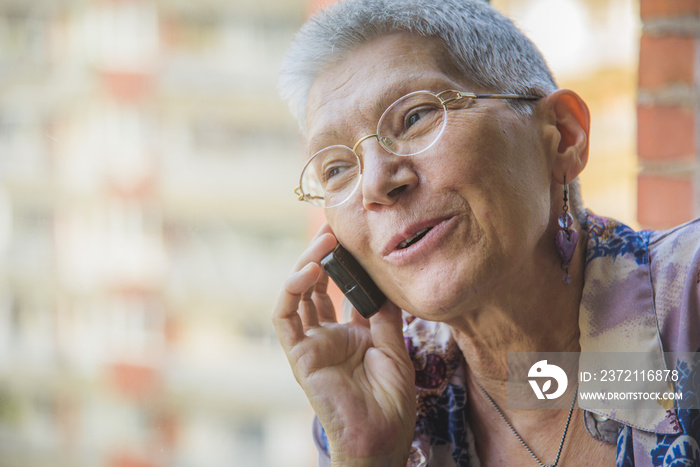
{"points": [[682, 450], [625, 448], [443, 436], [447, 422], [611, 238]]}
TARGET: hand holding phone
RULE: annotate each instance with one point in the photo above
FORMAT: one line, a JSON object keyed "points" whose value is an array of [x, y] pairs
{"points": [[355, 373], [353, 281]]}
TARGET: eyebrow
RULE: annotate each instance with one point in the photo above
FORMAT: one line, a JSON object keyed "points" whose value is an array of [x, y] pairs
{"points": [[394, 92], [389, 94], [327, 135], [388, 97]]}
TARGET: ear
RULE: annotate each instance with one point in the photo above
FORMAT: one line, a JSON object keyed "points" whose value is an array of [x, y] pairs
{"points": [[567, 127]]}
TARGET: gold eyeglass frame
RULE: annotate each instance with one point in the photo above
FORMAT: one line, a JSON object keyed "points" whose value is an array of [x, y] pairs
{"points": [[452, 96]]}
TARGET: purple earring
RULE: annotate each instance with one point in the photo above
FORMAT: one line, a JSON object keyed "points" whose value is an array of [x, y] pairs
{"points": [[567, 237]]}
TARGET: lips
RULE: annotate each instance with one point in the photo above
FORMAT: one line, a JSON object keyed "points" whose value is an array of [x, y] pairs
{"points": [[413, 238], [411, 235]]}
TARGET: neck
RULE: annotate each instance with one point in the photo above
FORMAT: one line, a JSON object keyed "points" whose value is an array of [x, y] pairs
{"points": [[537, 314], [533, 312]]}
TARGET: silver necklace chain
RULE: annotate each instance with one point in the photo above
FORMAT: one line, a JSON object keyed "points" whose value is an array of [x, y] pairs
{"points": [[563, 436]]}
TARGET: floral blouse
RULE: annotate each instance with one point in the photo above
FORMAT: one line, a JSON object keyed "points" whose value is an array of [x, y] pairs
{"points": [[641, 294]]}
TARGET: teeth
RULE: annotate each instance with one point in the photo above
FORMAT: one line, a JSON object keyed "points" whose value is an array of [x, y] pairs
{"points": [[405, 243]]}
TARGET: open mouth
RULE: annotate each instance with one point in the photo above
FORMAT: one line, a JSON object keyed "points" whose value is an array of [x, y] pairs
{"points": [[415, 238]]}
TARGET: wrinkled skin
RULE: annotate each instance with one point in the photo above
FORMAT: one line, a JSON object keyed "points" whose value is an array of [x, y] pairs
{"points": [[491, 190]]}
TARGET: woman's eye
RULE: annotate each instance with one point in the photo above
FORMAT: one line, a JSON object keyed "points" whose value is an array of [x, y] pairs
{"points": [[333, 172], [415, 115], [412, 119]]}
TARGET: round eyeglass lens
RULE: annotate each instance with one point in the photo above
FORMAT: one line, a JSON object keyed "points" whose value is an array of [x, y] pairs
{"points": [[331, 176], [412, 124]]}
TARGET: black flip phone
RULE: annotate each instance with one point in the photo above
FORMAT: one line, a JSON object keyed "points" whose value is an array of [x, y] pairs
{"points": [[353, 281]]}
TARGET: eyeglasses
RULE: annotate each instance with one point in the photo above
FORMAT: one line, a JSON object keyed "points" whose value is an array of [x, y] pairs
{"points": [[409, 126]]}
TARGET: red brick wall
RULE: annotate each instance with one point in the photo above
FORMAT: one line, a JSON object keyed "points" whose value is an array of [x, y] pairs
{"points": [[669, 113]]}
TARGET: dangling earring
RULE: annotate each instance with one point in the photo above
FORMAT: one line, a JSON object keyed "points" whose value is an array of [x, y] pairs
{"points": [[567, 237]]}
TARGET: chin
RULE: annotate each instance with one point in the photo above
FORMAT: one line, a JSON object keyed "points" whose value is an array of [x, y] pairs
{"points": [[435, 300]]}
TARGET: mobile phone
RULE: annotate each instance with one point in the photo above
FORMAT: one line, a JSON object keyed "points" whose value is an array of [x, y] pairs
{"points": [[353, 281]]}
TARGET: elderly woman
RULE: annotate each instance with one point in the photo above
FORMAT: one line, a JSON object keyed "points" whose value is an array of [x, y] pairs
{"points": [[446, 160]]}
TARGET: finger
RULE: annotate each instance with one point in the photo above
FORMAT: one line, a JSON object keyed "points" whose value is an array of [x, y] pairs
{"points": [[285, 317], [324, 304], [316, 305], [308, 310], [324, 229], [316, 250], [387, 329], [350, 313], [294, 312], [321, 284]]}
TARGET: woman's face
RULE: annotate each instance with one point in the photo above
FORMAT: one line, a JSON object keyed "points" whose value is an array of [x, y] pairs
{"points": [[483, 189]]}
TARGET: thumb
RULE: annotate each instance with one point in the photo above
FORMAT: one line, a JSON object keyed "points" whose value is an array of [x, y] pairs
{"points": [[386, 328]]}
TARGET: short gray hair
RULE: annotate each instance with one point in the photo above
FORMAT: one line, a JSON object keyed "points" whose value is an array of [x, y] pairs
{"points": [[487, 49]]}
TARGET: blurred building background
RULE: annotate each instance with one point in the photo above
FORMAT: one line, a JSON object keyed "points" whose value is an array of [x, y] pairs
{"points": [[594, 51], [147, 219], [146, 223]]}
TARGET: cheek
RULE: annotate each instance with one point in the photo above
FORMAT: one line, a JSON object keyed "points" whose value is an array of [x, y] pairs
{"points": [[472, 150], [349, 227], [469, 169]]}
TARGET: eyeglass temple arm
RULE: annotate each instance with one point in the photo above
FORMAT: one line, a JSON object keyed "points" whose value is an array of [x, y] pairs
{"points": [[456, 95], [303, 196], [505, 96]]}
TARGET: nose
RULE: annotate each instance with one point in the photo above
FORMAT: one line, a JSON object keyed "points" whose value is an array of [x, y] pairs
{"points": [[385, 176]]}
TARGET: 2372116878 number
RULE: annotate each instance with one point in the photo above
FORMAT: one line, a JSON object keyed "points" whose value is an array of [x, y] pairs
{"points": [[638, 375]]}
